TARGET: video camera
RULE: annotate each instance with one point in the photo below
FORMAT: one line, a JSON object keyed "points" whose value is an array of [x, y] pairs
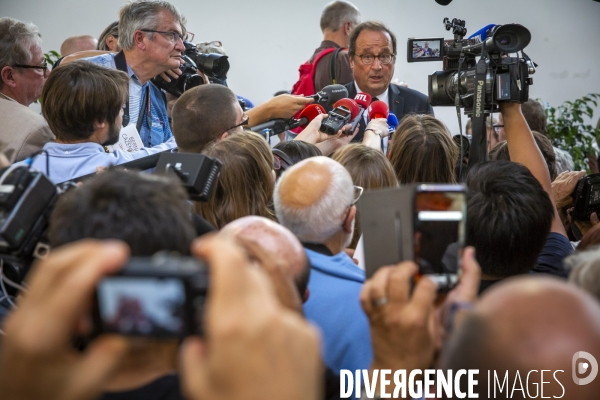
{"points": [[215, 66], [506, 79], [27, 198], [478, 86]]}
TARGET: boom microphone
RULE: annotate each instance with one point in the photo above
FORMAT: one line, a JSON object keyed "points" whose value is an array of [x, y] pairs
{"points": [[330, 94]]}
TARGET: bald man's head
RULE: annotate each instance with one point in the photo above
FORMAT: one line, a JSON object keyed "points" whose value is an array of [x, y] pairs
{"points": [[525, 324], [78, 43], [311, 198], [278, 240]]}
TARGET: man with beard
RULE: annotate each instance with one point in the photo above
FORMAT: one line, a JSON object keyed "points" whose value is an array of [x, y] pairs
{"points": [[83, 104]]}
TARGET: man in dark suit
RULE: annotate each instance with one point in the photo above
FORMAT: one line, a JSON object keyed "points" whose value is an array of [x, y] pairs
{"points": [[372, 54]]}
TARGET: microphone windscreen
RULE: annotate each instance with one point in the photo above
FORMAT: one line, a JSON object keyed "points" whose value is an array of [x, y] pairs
{"points": [[378, 109], [392, 120], [363, 100], [311, 111], [443, 2], [333, 93], [350, 105]]}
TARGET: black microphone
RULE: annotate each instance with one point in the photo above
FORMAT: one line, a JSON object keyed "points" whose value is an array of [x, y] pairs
{"points": [[443, 2], [276, 125], [330, 94]]}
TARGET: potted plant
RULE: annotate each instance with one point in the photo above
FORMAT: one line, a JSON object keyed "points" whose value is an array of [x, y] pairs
{"points": [[567, 129]]}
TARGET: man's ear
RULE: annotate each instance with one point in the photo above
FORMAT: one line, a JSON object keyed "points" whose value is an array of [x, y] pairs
{"points": [[348, 222], [348, 28], [7, 76], [138, 40], [224, 135]]}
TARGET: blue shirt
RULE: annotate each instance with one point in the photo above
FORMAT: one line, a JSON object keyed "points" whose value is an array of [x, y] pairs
{"points": [[69, 161], [155, 127], [334, 306]]}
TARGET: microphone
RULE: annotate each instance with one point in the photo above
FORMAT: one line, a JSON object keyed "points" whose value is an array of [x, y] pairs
{"points": [[392, 121], [280, 125], [307, 114], [350, 105], [344, 110], [378, 109], [482, 33], [363, 100], [330, 94], [443, 2]]}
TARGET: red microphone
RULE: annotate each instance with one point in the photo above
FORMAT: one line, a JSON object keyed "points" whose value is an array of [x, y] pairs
{"points": [[350, 105], [308, 114], [378, 109], [363, 100]]}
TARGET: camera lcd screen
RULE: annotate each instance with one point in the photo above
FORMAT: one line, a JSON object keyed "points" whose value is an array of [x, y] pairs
{"points": [[144, 306], [595, 194], [425, 49], [439, 231]]}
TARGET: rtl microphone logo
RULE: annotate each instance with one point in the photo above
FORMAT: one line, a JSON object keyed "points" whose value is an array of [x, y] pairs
{"points": [[580, 368], [361, 97]]}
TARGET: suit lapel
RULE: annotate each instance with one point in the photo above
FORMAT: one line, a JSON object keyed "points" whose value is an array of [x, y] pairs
{"points": [[396, 101]]}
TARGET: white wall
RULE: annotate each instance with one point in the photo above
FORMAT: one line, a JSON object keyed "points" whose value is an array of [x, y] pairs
{"points": [[268, 39]]}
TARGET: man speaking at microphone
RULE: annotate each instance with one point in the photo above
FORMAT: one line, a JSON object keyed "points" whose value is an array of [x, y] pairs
{"points": [[372, 54]]}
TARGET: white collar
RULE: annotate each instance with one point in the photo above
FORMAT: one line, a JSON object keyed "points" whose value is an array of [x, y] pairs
{"points": [[382, 97]]}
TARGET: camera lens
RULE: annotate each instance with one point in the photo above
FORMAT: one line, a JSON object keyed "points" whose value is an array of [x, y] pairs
{"points": [[505, 40]]}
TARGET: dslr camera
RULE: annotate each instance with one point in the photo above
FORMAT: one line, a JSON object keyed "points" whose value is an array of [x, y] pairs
{"points": [[214, 66], [161, 296], [586, 198], [500, 77]]}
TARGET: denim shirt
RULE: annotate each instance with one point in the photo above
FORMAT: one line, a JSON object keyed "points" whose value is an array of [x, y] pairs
{"points": [[154, 130], [69, 161]]}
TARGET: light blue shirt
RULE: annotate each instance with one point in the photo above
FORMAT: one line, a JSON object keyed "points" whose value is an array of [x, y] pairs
{"points": [[69, 161], [154, 130]]}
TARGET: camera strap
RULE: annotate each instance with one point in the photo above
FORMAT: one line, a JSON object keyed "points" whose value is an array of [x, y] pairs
{"points": [[121, 65], [478, 152]]}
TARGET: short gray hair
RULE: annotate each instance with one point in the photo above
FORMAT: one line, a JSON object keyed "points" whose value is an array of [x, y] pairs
{"points": [[143, 14], [337, 13], [585, 270], [321, 220], [16, 40]]}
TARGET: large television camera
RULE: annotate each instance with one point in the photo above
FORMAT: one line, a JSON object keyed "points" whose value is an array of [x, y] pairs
{"points": [[502, 73], [214, 66], [27, 198]]}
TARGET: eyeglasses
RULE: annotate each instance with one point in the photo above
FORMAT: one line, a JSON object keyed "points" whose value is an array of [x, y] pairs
{"points": [[245, 119], [281, 161], [43, 67], [358, 191], [384, 59], [171, 36], [497, 127]]}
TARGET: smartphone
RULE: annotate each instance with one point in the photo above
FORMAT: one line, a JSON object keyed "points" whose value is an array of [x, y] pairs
{"points": [[439, 232], [161, 296]]}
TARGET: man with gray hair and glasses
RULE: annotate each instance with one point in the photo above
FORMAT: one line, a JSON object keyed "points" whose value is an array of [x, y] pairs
{"points": [[23, 71], [315, 199], [151, 39]]}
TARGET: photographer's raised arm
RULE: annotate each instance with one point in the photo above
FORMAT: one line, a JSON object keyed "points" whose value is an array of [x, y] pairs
{"points": [[524, 150]]}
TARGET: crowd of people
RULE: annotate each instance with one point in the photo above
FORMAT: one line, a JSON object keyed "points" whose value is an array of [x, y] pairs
{"points": [[289, 306]]}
